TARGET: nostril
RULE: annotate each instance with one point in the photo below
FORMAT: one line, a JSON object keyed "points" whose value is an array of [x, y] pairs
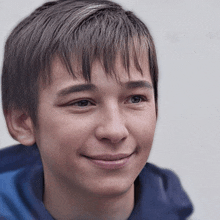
{"points": [[113, 135], [111, 127]]}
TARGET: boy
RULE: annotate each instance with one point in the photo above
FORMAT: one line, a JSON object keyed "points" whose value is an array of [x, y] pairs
{"points": [[79, 91]]}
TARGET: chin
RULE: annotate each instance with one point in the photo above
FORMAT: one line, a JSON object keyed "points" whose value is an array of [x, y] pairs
{"points": [[113, 188]]}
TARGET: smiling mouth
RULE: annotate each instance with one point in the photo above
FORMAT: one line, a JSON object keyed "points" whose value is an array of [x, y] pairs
{"points": [[109, 157], [108, 161]]}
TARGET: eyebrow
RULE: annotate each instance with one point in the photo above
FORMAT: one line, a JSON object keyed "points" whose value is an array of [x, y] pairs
{"points": [[138, 84], [77, 88], [92, 87]]}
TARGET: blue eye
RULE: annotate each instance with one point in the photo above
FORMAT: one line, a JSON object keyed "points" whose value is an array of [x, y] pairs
{"points": [[82, 103], [137, 99]]}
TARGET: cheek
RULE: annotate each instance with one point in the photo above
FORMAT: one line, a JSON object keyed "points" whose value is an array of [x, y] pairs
{"points": [[60, 136], [143, 123], [143, 131], [58, 126], [59, 140]]}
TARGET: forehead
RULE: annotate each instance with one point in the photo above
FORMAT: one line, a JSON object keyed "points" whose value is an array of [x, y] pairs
{"points": [[60, 74], [121, 74]]}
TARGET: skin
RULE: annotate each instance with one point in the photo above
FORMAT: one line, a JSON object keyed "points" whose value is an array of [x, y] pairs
{"points": [[75, 126]]}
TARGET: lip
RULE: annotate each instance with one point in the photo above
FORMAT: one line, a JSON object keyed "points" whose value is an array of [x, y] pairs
{"points": [[110, 162]]}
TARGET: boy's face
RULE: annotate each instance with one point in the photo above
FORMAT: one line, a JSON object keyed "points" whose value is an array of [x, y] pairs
{"points": [[95, 138]]}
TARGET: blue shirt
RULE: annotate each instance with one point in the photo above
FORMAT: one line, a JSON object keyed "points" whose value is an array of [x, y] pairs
{"points": [[158, 192]]}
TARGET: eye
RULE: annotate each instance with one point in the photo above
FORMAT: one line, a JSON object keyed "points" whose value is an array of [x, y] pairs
{"points": [[137, 99], [81, 103]]}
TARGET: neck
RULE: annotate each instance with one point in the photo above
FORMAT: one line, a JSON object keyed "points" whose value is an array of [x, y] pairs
{"points": [[65, 203]]}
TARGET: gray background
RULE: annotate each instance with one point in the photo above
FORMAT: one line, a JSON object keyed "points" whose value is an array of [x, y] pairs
{"points": [[187, 37]]}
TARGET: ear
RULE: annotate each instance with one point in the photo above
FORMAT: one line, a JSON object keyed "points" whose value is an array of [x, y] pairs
{"points": [[20, 126]]}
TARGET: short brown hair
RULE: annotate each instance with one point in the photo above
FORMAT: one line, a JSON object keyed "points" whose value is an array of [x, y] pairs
{"points": [[82, 31]]}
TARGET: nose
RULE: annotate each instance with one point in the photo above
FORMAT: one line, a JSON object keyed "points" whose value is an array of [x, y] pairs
{"points": [[112, 125]]}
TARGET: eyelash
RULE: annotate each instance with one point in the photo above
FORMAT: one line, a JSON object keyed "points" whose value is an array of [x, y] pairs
{"points": [[143, 98], [75, 103], [81, 101]]}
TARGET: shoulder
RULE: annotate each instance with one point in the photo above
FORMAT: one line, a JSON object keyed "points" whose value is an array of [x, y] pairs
{"points": [[160, 193], [15, 157], [168, 184], [21, 188], [166, 177]]}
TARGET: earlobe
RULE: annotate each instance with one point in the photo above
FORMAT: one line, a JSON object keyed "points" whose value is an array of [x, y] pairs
{"points": [[20, 126]]}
